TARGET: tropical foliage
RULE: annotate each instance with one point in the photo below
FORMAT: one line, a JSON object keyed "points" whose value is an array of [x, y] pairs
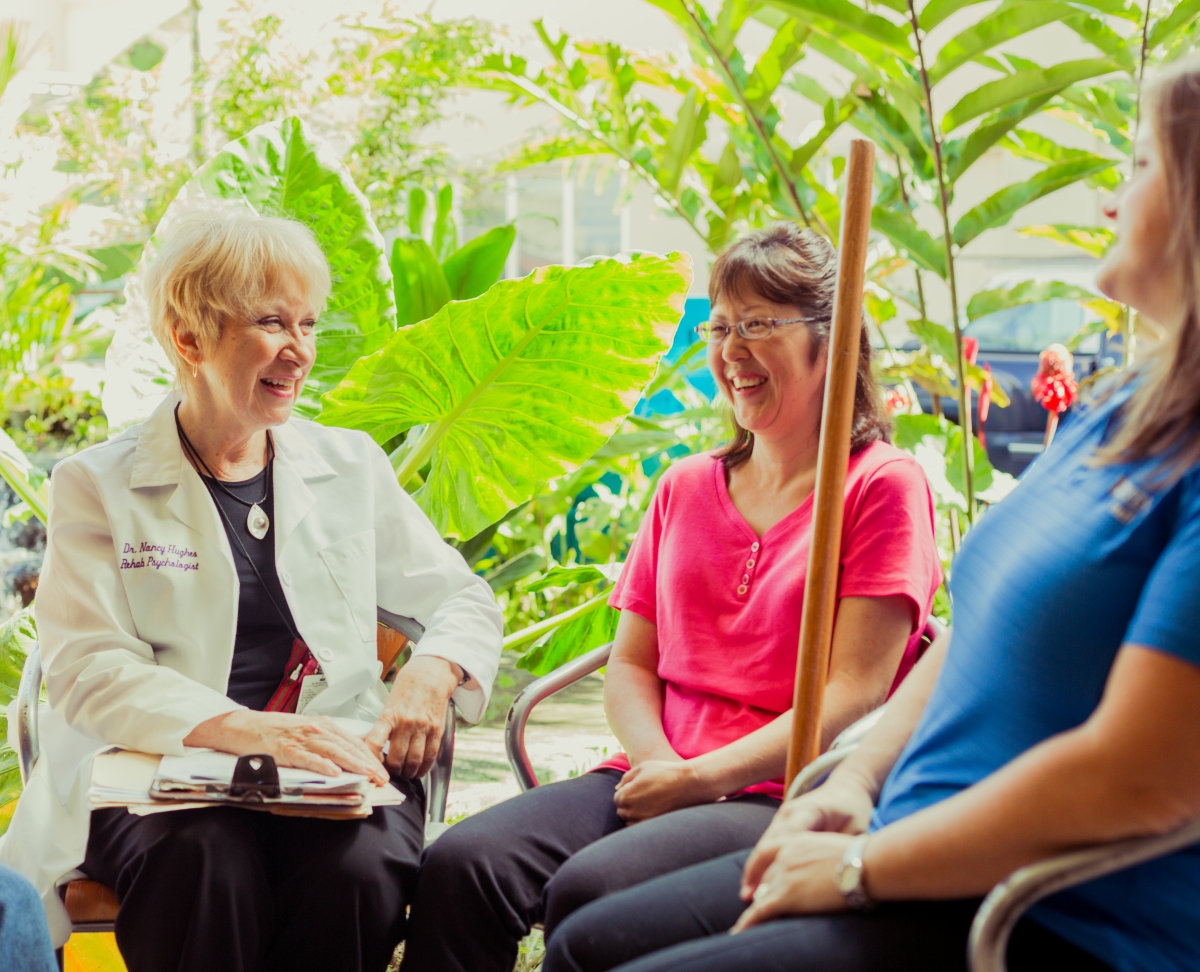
{"points": [[721, 161]]}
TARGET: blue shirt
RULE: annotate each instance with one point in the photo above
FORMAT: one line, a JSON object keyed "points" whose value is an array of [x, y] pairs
{"points": [[1077, 560]]}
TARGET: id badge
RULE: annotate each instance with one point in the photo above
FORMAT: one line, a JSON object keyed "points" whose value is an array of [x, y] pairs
{"points": [[310, 688]]}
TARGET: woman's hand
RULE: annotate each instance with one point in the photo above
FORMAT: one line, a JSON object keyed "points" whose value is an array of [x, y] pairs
{"points": [[415, 715], [658, 786], [839, 806], [315, 743], [802, 880]]}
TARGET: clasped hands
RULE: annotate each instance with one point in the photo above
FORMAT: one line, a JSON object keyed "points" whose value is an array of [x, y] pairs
{"points": [[792, 870]]}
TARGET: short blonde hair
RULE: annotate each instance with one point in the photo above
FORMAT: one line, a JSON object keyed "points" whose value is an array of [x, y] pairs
{"points": [[215, 264]]}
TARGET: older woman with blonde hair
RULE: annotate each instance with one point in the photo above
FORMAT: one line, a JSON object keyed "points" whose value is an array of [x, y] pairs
{"points": [[1060, 713], [209, 573]]}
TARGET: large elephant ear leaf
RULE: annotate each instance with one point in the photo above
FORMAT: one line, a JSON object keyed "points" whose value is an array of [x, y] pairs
{"points": [[281, 169], [517, 386]]}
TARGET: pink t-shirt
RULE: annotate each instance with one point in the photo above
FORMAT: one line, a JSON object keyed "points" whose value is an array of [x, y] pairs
{"points": [[727, 602]]}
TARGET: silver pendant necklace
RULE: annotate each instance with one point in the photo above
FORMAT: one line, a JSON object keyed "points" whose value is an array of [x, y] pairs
{"points": [[257, 521]]}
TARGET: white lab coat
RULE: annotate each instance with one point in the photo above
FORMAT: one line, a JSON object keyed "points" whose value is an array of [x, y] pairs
{"points": [[137, 608]]}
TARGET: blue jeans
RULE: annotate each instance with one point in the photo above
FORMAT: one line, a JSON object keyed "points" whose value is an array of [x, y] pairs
{"points": [[24, 938]]}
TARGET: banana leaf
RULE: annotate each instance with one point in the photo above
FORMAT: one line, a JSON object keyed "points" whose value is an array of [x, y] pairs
{"points": [[518, 386], [282, 169]]}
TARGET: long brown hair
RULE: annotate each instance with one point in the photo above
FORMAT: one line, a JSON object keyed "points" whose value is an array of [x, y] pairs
{"points": [[1162, 416], [787, 265]]}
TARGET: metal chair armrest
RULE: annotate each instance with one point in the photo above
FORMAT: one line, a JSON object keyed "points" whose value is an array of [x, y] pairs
{"points": [[28, 696], [535, 692], [1010, 899], [847, 741], [437, 783]]}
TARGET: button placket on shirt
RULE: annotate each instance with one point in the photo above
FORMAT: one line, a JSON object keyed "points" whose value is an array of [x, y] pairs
{"points": [[750, 562]]}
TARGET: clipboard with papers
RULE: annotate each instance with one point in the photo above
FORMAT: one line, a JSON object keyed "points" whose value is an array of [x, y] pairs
{"points": [[146, 784]]}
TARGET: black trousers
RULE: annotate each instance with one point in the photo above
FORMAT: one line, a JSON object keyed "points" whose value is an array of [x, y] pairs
{"points": [[539, 856], [677, 924], [242, 890]]}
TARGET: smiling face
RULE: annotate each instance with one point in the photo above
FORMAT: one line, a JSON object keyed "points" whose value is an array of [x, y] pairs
{"points": [[774, 385], [253, 375], [1139, 269]]}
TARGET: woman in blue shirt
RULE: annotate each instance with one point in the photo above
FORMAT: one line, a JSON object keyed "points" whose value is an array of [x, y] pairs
{"points": [[1060, 713]]}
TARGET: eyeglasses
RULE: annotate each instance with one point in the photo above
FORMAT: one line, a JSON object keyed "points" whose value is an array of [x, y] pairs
{"points": [[754, 329]]}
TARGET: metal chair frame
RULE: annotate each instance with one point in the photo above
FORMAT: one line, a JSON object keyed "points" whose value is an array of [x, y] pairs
{"points": [[541, 689], [437, 783]]}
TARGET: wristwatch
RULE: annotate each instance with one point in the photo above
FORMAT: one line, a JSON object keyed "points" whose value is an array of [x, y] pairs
{"points": [[849, 876]]}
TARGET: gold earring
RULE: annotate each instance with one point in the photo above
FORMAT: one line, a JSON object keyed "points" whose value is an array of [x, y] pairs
{"points": [[193, 370]]}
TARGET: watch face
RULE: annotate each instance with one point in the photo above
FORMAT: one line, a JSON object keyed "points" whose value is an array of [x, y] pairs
{"points": [[847, 879]]}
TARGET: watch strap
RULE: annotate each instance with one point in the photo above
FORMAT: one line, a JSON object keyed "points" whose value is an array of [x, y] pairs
{"points": [[851, 881]]}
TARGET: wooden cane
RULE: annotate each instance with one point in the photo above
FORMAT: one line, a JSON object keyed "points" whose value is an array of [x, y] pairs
{"points": [[820, 586]]}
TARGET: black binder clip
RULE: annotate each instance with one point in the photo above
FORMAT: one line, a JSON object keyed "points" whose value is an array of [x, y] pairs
{"points": [[255, 779]]}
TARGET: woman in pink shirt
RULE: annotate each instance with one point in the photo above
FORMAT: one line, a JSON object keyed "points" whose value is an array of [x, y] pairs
{"points": [[699, 686]]}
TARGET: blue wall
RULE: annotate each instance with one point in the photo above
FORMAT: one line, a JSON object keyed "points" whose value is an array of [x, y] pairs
{"points": [[664, 403]]}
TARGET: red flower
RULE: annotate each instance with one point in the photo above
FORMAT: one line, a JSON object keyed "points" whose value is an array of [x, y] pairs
{"points": [[970, 349], [1054, 384], [897, 400]]}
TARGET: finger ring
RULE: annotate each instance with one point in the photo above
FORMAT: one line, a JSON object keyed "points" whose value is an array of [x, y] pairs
{"points": [[761, 891]]}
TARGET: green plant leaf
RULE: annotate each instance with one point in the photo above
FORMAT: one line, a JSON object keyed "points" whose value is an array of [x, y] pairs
{"points": [[281, 169], [518, 386], [1028, 292], [938, 10], [1001, 206], [27, 481], [445, 232], [528, 561], [938, 339], [686, 136], [785, 49], [908, 431], [578, 574], [854, 17], [474, 267], [1002, 24], [577, 637], [1024, 84], [900, 228], [418, 202], [1182, 14], [1093, 240], [645, 443], [17, 636], [421, 289], [983, 471], [962, 153]]}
